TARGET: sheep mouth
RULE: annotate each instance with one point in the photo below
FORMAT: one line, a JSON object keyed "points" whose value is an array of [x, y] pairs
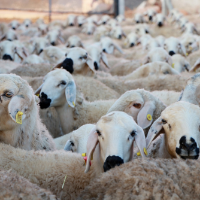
{"points": [[184, 154]]}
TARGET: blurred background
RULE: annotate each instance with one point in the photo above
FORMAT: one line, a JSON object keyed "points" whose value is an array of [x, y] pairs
{"points": [[34, 9]]}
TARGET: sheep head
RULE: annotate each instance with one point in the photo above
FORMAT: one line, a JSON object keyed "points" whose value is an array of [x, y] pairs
{"points": [[180, 123], [114, 137]]}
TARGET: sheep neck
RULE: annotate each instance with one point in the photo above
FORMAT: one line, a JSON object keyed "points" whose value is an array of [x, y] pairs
{"points": [[65, 114]]}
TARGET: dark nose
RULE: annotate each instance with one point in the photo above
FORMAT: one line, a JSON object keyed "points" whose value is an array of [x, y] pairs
{"points": [[137, 22], [132, 44], [104, 50], [111, 162], [68, 65], [171, 53], [71, 24], [80, 25], [13, 28], [160, 24], [146, 31], [53, 44], [186, 149], [120, 37], [41, 50], [44, 101], [9, 39], [96, 65], [7, 57], [150, 18], [104, 22], [27, 25], [89, 33], [72, 46]]}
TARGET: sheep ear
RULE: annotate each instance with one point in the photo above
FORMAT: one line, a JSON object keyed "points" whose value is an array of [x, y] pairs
{"points": [[146, 60], [90, 64], [154, 131], [68, 146], [182, 49], [104, 59], [37, 92], [140, 141], [67, 44], [124, 34], [70, 93], [17, 104], [145, 116], [91, 145], [59, 65], [61, 39], [81, 45], [19, 53], [169, 60], [196, 66], [187, 66], [3, 37], [118, 48]]}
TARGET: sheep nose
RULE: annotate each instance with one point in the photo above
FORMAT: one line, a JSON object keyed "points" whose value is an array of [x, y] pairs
{"points": [[137, 22], [9, 39], [96, 65], [171, 53], [41, 50], [13, 28], [120, 37], [89, 33], [146, 31], [44, 101], [7, 57], [104, 50], [27, 25], [132, 44], [150, 18], [53, 44], [72, 46], [71, 24], [187, 149], [80, 25], [111, 162], [104, 22], [68, 65], [160, 24]]}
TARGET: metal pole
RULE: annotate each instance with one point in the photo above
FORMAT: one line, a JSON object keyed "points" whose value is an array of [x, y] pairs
{"points": [[116, 8], [49, 11]]}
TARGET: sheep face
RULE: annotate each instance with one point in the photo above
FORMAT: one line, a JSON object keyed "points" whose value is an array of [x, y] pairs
{"points": [[54, 36], [173, 46], [113, 137], [39, 44], [151, 44], [10, 35], [8, 50], [180, 122], [27, 23], [190, 43], [71, 20], [151, 13], [141, 29], [108, 45], [104, 19], [15, 95], [138, 18], [117, 32], [74, 41], [77, 60], [58, 87], [160, 20], [120, 18], [80, 20], [157, 54], [14, 24], [89, 28], [180, 64]]}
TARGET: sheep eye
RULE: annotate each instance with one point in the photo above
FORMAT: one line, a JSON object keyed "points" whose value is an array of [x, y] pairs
{"points": [[8, 94], [133, 133], [164, 121], [85, 57], [98, 132], [137, 105], [62, 83]]}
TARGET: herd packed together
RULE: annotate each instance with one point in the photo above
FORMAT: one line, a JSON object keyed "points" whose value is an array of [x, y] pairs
{"points": [[100, 108]]}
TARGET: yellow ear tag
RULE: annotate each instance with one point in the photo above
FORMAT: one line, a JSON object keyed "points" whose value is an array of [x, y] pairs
{"points": [[38, 95], [149, 117], [172, 65], [83, 154], [186, 54], [73, 104], [19, 117], [138, 154], [145, 151]]}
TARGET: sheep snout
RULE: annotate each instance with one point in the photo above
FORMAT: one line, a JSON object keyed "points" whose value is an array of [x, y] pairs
{"points": [[171, 53], [96, 65], [160, 24], [44, 101], [68, 65], [7, 57], [111, 162], [187, 150]]}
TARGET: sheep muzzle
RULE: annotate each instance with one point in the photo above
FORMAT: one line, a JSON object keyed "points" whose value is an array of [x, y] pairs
{"points": [[44, 101], [111, 162]]}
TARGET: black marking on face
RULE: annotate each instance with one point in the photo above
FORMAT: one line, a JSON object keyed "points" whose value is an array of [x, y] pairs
{"points": [[44, 101], [96, 65], [53, 43], [68, 65], [7, 57], [111, 162], [160, 24], [171, 53], [41, 50], [132, 44]]}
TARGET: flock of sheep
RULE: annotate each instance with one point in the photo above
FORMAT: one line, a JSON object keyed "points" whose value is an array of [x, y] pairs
{"points": [[96, 108]]}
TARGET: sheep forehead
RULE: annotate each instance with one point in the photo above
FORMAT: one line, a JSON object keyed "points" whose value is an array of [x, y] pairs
{"points": [[76, 51], [194, 80], [57, 75], [132, 96], [116, 121]]}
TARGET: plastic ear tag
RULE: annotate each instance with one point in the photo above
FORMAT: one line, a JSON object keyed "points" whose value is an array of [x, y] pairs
{"points": [[83, 154], [172, 65], [149, 117], [19, 117], [145, 151], [138, 153], [186, 54], [73, 103], [38, 95]]}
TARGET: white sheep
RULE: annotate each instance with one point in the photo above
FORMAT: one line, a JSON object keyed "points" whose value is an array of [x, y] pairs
{"points": [[21, 126], [80, 20], [9, 35], [27, 22], [33, 59], [54, 36], [138, 18], [39, 44], [71, 20], [179, 63], [14, 24], [74, 41]]}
